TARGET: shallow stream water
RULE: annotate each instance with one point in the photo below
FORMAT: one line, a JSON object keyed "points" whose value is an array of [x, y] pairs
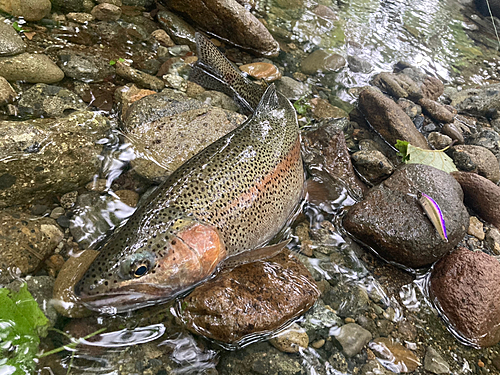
{"points": [[445, 39]]}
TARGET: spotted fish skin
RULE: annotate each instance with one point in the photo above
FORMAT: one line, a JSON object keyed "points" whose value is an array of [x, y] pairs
{"points": [[233, 196]]}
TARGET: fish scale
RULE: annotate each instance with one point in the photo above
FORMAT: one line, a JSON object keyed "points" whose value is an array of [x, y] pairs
{"points": [[240, 191]]}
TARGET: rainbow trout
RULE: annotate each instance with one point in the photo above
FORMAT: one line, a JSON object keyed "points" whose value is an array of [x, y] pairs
{"points": [[232, 197]]}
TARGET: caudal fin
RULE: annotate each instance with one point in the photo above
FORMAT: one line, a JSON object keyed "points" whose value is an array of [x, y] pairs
{"points": [[214, 71]]}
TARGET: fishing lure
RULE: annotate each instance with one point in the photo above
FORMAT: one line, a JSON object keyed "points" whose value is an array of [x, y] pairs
{"points": [[433, 212]]}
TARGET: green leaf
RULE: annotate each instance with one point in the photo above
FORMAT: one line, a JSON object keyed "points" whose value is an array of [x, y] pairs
{"points": [[121, 60], [301, 106], [112, 62], [17, 27], [416, 155], [21, 320]]}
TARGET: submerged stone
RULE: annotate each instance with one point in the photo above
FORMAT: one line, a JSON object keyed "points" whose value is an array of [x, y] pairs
{"points": [[394, 356]]}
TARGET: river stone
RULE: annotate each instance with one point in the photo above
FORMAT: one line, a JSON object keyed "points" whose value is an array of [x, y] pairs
{"points": [[411, 109], [436, 110], [397, 85], [439, 141], [433, 362], [292, 89], [477, 101], [352, 337], [218, 99], [32, 68], [476, 159], [262, 70], [30, 10], [373, 165], [359, 65], [67, 6], [106, 12], [325, 149], [482, 195], [291, 339], [179, 30], [487, 138], [387, 118], [10, 42], [141, 79], [84, 66], [49, 156], [167, 129], [454, 132], [253, 298], [7, 93], [322, 109], [392, 222], [25, 242], [230, 21], [42, 100], [322, 61], [470, 276], [396, 357]]}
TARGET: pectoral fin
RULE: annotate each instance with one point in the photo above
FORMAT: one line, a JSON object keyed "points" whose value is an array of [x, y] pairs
{"points": [[250, 256]]}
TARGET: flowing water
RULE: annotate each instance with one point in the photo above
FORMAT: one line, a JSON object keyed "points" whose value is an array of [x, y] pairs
{"points": [[442, 37]]}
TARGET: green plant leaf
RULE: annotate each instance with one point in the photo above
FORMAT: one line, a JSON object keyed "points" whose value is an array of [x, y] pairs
{"points": [[112, 62], [17, 27], [301, 106], [21, 322], [416, 155]]}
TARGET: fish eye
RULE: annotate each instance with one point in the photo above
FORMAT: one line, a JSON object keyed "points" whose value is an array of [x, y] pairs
{"points": [[140, 269]]}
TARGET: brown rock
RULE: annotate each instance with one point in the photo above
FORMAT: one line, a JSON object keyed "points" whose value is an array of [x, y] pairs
{"points": [[482, 195], [389, 119], [465, 287], [436, 110], [129, 197], [322, 109], [127, 95], [229, 20], [432, 88], [452, 131], [400, 357], [66, 303], [398, 85], [481, 159], [322, 61], [139, 78], [261, 70], [163, 38], [24, 242], [7, 93], [106, 12], [252, 298]]}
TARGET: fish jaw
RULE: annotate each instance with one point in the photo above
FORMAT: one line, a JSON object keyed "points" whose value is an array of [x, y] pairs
{"points": [[191, 256]]}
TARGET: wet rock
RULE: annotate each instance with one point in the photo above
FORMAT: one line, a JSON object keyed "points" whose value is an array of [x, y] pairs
{"points": [[179, 30], [163, 38], [396, 357], [453, 132], [374, 367], [127, 95], [373, 165], [167, 129], [7, 93], [392, 222], [325, 149], [231, 21], [49, 156], [291, 339], [82, 18], [25, 242], [489, 139], [262, 70], [65, 301], [30, 10], [56, 212], [347, 299], [291, 88], [320, 319], [353, 338], [475, 228], [40, 288], [141, 79], [432, 88], [492, 240], [106, 12], [250, 299], [470, 276], [359, 65], [43, 100], [389, 119], [477, 101], [218, 99], [436, 110], [322, 61], [32, 68], [477, 159], [433, 362], [84, 67], [10, 42], [481, 195], [68, 200], [129, 197], [439, 141], [397, 85], [259, 359], [411, 109], [322, 109]]}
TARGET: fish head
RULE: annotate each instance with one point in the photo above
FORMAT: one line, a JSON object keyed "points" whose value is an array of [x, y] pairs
{"points": [[138, 276]]}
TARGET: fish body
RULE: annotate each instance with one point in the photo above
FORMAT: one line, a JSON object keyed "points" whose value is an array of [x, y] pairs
{"points": [[433, 212], [233, 196]]}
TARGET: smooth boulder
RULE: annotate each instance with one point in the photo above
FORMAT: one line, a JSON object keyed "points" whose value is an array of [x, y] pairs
{"points": [[30, 67], [391, 221]]}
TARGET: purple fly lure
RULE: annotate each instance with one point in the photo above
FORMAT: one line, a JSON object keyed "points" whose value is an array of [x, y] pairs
{"points": [[434, 214]]}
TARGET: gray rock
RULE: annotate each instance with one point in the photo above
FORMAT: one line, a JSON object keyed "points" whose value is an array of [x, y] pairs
{"points": [[218, 99], [374, 367], [49, 156], [106, 12], [492, 240], [168, 128], [56, 212], [67, 6], [353, 338], [30, 10], [320, 317], [42, 100], [391, 221], [179, 30], [411, 109], [487, 138], [291, 88], [359, 65], [7, 93], [439, 141], [397, 85], [138, 3], [32, 68], [373, 165], [141, 79], [322, 61], [477, 159], [25, 242], [10, 42], [477, 101], [433, 362], [82, 18], [84, 67]]}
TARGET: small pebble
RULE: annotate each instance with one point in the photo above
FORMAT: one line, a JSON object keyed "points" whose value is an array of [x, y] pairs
{"points": [[63, 221], [129, 197], [318, 344], [99, 185], [57, 212], [476, 228], [350, 320], [80, 17], [38, 209], [291, 340], [261, 70], [163, 38], [68, 200], [54, 264]]}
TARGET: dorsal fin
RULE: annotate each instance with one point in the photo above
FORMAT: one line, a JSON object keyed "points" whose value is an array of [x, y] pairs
{"points": [[268, 102]]}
